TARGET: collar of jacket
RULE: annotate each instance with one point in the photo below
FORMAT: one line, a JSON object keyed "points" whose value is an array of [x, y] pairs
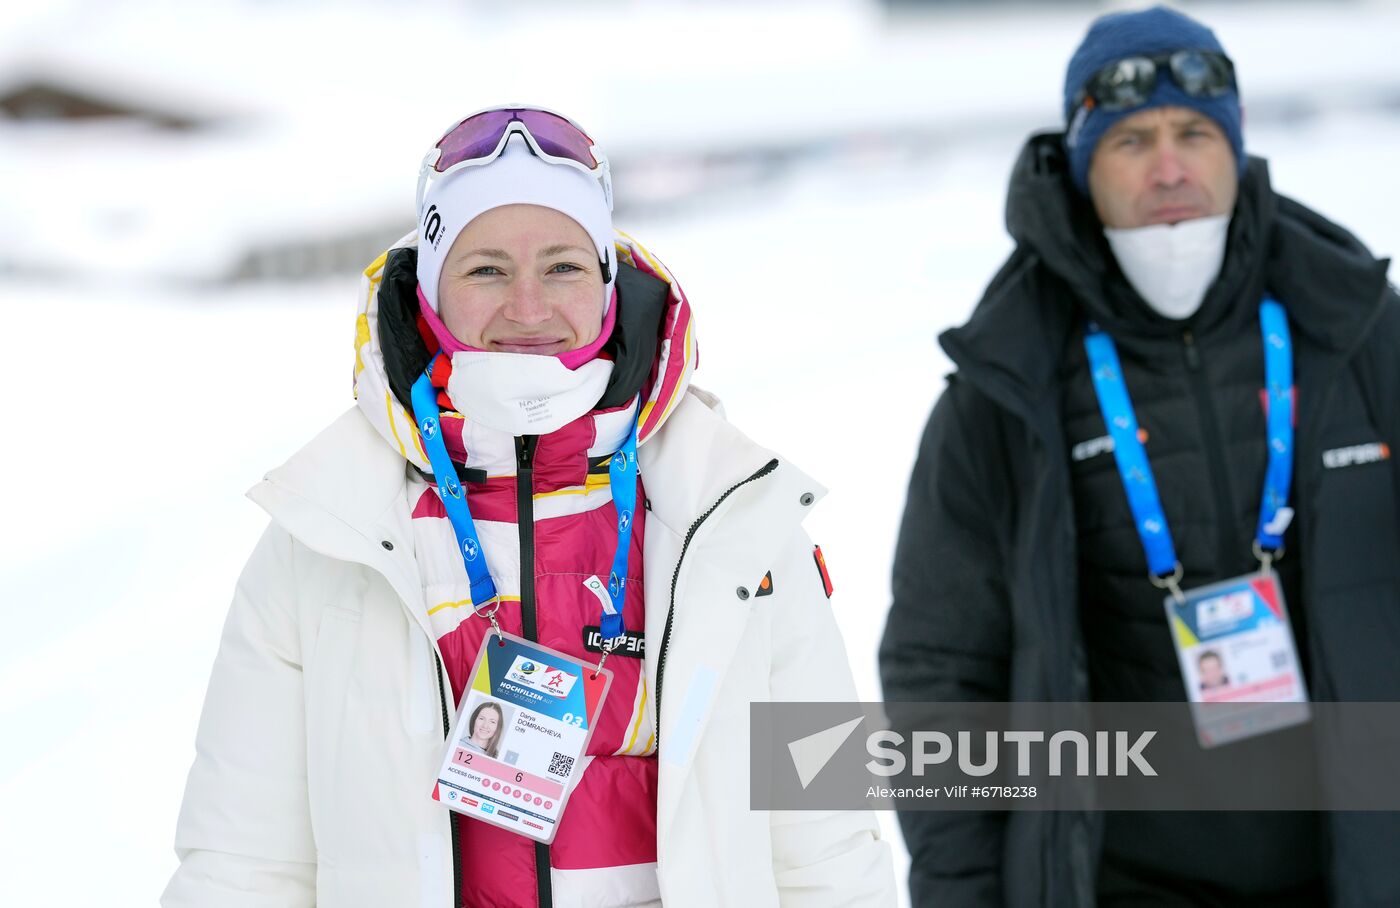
{"points": [[1063, 271]]}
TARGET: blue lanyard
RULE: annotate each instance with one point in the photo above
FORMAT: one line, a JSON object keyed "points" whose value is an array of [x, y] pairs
{"points": [[1136, 472], [622, 476], [1278, 376]]}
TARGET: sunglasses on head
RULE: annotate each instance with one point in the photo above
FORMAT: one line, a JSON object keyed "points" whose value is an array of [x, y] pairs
{"points": [[482, 137], [1129, 82]]}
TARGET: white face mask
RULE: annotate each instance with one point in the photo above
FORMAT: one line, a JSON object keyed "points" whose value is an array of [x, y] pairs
{"points": [[1171, 266], [524, 394]]}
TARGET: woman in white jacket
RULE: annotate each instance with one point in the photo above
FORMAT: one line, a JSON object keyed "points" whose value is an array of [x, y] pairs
{"points": [[542, 340]]}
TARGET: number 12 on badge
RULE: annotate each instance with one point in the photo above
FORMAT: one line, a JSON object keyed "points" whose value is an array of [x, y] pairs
{"points": [[512, 757]]}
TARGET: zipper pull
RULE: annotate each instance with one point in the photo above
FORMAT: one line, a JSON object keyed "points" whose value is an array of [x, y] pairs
{"points": [[524, 450], [1193, 355]]}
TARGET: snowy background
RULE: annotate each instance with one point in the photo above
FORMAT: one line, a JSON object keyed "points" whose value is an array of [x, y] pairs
{"points": [[826, 178]]}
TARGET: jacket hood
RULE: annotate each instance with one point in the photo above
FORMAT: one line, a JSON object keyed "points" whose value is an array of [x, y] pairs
{"points": [[652, 345], [1063, 272], [1331, 284]]}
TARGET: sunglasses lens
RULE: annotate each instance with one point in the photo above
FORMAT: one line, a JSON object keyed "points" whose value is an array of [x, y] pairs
{"points": [[1201, 74], [1124, 84], [558, 137], [475, 137]]}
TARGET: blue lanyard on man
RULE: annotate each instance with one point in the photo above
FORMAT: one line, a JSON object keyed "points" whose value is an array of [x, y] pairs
{"points": [[622, 476], [1163, 567]]}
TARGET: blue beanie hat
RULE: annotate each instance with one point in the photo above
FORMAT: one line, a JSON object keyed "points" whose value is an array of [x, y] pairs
{"points": [[1150, 32]]}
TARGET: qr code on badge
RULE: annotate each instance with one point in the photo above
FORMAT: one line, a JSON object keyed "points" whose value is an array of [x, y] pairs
{"points": [[561, 765]]}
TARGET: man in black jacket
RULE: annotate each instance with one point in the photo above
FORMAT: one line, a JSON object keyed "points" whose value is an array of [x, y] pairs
{"points": [[1021, 573]]}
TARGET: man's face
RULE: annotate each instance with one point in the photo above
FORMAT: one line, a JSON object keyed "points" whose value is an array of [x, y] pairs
{"points": [[1162, 166], [1212, 672]]}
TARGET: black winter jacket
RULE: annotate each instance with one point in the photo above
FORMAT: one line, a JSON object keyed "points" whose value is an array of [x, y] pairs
{"points": [[987, 570]]}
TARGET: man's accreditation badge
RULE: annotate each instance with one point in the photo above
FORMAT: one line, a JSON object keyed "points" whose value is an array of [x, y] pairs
{"points": [[513, 755], [1238, 659]]}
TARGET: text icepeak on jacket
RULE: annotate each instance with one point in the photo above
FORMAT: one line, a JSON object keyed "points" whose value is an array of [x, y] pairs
{"points": [[352, 632], [1019, 576]]}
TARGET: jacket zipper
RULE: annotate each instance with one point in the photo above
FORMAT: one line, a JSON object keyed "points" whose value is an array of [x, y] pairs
{"points": [[525, 522], [452, 817], [1215, 458], [675, 577]]}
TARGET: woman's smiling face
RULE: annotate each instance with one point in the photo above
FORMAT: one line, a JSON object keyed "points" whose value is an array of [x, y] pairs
{"points": [[487, 721], [522, 279]]}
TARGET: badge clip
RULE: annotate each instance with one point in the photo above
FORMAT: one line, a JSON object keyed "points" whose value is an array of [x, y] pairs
{"points": [[1266, 557], [491, 616], [1172, 582]]}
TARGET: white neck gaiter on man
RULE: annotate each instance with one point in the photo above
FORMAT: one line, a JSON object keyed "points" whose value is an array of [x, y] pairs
{"points": [[1171, 266]]}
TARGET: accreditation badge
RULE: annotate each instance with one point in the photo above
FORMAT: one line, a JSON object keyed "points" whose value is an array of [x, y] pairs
{"points": [[513, 754], [1238, 658]]}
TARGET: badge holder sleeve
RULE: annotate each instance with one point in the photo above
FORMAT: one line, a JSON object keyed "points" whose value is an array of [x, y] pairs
{"points": [[548, 703]]}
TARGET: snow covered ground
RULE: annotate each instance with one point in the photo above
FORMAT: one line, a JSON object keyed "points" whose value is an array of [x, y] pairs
{"points": [[150, 409]]}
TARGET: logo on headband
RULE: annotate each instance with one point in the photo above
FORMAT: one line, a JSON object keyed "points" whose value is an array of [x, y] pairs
{"points": [[432, 225]]}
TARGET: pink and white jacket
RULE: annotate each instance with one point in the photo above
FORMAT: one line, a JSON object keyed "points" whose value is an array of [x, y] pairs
{"points": [[353, 621]]}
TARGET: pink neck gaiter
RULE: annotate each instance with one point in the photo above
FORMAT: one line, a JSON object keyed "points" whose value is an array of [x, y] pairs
{"points": [[571, 359]]}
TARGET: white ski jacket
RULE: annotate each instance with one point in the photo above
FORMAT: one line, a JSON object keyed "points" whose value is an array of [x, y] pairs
{"points": [[323, 725]]}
